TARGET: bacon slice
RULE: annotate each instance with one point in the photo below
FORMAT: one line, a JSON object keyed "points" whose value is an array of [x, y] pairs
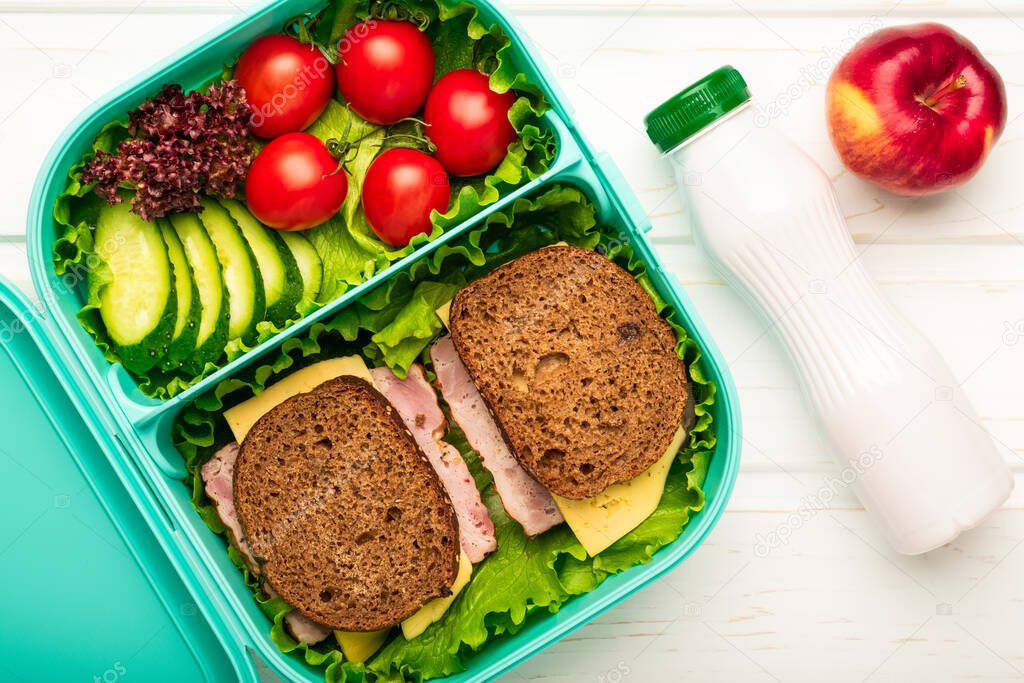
{"points": [[416, 403], [525, 500], [302, 628], [218, 475]]}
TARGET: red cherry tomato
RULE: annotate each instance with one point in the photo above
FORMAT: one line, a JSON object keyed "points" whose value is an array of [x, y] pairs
{"points": [[468, 122], [286, 83], [385, 69], [400, 190], [294, 183]]}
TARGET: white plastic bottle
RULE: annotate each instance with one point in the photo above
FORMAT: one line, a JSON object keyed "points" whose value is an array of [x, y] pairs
{"points": [[766, 215]]}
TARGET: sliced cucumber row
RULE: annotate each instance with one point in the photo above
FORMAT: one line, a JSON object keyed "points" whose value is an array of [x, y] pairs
{"points": [[175, 292]]}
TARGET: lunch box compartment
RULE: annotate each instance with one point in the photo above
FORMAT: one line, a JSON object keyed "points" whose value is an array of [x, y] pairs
{"points": [[138, 428], [155, 439], [192, 67]]}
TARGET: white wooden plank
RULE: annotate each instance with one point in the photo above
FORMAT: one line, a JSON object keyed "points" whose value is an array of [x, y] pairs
{"points": [[772, 487], [63, 63]]}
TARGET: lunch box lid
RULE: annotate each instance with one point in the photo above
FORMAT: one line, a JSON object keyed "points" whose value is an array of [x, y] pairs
{"points": [[88, 591]]}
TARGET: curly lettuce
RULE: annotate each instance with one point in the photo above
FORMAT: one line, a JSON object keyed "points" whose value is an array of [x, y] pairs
{"points": [[394, 326]]}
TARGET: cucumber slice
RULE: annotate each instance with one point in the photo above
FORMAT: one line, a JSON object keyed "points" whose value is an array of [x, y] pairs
{"points": [[246, 298], [311, 266], [138, 304], [282, 282], [186, 326], [212, 331]]}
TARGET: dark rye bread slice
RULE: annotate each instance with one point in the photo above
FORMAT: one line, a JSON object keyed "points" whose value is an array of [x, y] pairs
{"points": [[576, 366], [345, 516]]}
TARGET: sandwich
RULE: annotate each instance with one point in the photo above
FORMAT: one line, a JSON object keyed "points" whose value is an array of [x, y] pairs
{"points": [[341, 496], [565, 380]]}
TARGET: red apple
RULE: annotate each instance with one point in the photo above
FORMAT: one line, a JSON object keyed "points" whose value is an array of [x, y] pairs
{"points": [[915, 109]]}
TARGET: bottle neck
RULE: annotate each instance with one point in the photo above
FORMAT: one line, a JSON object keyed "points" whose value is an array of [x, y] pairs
{"points": [[700, 152]]}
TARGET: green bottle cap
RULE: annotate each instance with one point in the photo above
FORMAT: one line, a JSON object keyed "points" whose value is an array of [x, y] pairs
{"points": [[695, 107]]}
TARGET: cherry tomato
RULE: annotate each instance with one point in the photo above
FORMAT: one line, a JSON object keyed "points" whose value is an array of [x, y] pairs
{"points": [[286, 83], [400, 190], [385, 69], [468, 122], [294, 183]]}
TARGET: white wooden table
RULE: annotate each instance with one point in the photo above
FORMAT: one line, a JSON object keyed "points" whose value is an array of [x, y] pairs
{"points": [[833, 603]]}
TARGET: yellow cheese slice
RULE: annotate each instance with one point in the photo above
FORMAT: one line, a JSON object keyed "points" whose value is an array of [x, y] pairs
{"points": [[600, 521], [445, 314], [358, 647], [435, 609], [242, 417]]}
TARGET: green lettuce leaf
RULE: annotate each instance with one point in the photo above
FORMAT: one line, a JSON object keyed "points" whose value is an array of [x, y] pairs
{"points": [[394, 325], [76, 208]]}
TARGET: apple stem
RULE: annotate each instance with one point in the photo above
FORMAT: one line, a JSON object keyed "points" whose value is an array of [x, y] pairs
{"points": [[955, 84]]}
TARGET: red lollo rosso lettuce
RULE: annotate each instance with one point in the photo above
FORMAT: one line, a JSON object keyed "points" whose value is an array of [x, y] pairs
{"points": [[180, 145]]}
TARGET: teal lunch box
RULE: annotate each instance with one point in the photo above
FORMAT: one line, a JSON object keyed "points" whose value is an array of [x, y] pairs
{"points": [[109, 570]]}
